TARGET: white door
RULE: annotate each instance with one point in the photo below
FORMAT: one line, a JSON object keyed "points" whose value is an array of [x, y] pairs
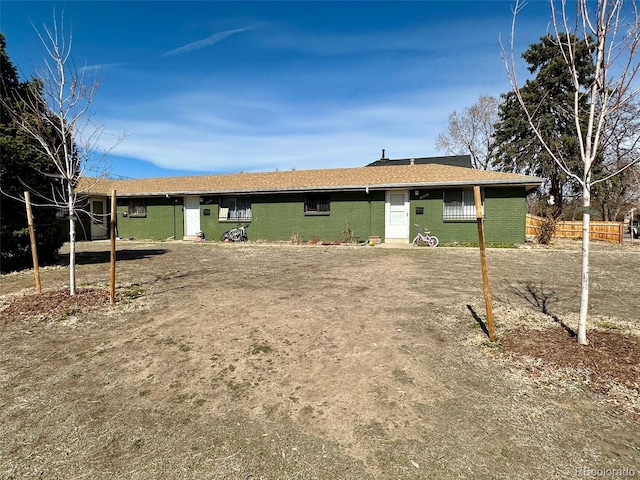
{"points": [[99, 219], [191, 216], [396, 213]]}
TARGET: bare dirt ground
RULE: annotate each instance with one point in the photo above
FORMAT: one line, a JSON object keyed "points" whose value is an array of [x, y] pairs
{"points": [[260, 361]]}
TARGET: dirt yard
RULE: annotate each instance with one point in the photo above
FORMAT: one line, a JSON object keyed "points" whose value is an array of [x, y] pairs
{"points": [[256, 361]]}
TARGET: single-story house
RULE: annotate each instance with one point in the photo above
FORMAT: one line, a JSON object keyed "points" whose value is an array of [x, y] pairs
{"points": [[385, 201]]}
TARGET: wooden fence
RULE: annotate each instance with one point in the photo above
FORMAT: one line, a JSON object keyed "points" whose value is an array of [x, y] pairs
{"points": [[607, 231]]}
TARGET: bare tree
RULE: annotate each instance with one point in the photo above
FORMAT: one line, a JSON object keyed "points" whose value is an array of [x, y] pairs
{"points": [[621, 145], [471, 132], [58, 115], [612, 41]]}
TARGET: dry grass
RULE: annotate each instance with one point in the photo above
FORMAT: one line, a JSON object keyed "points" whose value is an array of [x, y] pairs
{"points": [[265, 361]]}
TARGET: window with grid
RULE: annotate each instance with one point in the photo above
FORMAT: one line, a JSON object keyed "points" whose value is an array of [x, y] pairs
{"points": [[459, 204], [234, 208], [317, 204], [137, 208]]}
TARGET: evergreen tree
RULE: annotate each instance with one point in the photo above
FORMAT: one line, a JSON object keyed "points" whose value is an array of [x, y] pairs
{"points": [[550, 95], [21, 165]]}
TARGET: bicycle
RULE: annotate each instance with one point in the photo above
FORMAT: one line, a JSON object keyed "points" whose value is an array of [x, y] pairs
{"points": [[238, 234], [424, 237]]}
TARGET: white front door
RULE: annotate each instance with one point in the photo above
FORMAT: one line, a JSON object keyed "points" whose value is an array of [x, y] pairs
{"points": [[191, 216], [396, 215], [99, 220]]}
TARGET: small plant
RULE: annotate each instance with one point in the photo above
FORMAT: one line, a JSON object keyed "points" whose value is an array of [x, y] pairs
{"points": [[607, 325], [372, 430], [184, 397], [314, 240], [256, 349], [133, 291], [167, 341], [494, 345], [306, 410], [237, 389], [401, 376], [295, 239], [547, 229], [347, 235], [137, 444]]}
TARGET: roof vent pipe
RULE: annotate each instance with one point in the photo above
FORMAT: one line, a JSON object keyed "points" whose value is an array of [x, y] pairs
{"points": [[382, 157], [412, 162]]}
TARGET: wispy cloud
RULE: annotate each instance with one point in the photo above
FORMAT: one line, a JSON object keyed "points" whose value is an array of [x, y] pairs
{"points": [[100, 67], [210, 40], [224, 133]]}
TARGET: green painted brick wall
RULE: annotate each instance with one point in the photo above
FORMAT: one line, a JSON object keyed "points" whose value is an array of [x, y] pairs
{"points": [[505, 218], [279, 216], [159, 222], [504, 209]]}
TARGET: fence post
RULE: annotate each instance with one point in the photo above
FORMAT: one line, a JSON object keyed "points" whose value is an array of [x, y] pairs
{"points": [[621, 233], [483, 262], [32, 239]]}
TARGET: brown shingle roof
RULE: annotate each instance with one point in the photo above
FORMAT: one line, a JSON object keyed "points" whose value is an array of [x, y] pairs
{"points": [[337, 179]]}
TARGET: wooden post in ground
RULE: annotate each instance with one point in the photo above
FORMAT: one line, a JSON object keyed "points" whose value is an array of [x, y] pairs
{"points": [[483, 261], [32, 238], [112, 225]]}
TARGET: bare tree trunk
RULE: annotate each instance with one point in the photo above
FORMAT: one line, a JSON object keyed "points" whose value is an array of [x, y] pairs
{"points": [[584, 297], [558, 198], [72, 242]]}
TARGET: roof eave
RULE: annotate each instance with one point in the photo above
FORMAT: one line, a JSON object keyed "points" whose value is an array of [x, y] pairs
{"points": [[529, 184]]}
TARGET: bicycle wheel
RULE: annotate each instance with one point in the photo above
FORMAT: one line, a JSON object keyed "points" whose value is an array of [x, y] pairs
{"points": [[416, 241], [433, 241], [235, 235], [225, 236]]}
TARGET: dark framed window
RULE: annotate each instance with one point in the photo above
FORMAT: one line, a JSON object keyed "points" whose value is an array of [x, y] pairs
{"points": [[234, 208], [317, 204], [98, 213], [137, 208], [459, 204]]}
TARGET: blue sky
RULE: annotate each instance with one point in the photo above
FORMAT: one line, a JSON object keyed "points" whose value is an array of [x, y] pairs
{"points": [[222, 87]]}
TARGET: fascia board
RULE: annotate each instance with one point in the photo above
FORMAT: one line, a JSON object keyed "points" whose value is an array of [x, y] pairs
{"points": [[528, 183]]}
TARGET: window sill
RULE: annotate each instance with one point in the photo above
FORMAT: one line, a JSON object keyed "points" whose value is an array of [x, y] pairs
{"points": [[317, 214], [459, 220]]}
